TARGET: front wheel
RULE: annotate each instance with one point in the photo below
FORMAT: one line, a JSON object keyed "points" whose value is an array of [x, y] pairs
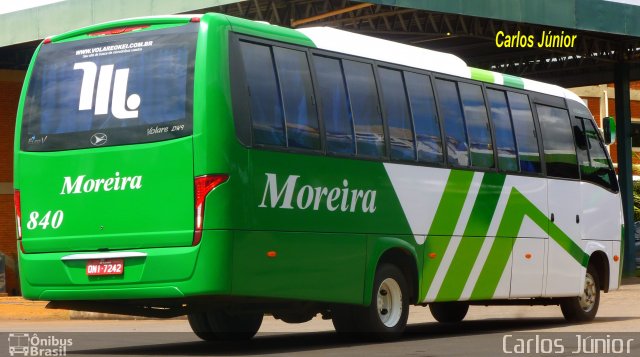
{"points": [[222, 325], [386, 317], [449, 312], [584, 307]]}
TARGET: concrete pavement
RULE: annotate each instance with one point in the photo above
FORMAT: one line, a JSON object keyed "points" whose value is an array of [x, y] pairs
{"points": [[619, 311]]}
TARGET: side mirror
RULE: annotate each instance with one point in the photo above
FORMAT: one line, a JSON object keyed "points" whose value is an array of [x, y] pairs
{"points": [[609, 128]]}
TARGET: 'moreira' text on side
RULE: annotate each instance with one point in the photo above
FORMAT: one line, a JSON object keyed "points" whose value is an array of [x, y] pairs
{"points": [[290, 195], [83, 185]]}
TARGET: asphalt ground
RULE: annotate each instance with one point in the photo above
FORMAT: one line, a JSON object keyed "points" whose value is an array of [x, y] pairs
{"points": [[487, 331]]}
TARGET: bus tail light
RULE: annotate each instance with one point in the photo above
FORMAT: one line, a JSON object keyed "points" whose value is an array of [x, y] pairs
{"points": [[16, 204], [204, 185]]}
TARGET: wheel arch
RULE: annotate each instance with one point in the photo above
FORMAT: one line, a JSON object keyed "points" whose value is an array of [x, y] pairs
{"points": [[600, 261], [394, 251]]}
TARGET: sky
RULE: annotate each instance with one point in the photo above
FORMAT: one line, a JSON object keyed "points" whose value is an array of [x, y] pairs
{"points": [[17, 5]]}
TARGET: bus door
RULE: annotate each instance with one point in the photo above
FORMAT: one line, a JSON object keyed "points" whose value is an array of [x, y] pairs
{"points": [[565, 203]]}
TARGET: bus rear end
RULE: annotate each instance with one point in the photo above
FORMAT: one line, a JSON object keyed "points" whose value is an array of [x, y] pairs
{"points": [[104, 166]]}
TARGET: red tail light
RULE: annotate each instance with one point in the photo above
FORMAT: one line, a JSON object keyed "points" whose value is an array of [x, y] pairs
{"points": [[204, 185], [16, 204]]}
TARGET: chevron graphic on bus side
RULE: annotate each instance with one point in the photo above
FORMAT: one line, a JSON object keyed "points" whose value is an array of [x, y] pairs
{"points": [[447, 271]]}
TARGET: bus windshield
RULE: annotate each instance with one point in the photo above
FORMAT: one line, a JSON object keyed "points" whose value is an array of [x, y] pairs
{"points": [[111, 90]]}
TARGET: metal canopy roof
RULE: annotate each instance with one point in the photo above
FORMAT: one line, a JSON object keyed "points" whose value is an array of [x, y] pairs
{"points": [[468, 29], [609, 16], [607, 32]]}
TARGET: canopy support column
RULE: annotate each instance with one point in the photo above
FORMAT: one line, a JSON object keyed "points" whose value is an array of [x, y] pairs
{"points": [[623, 138]]}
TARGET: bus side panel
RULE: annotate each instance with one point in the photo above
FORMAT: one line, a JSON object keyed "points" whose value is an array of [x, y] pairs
{"points": [[296, 192], [614, 271], [299, 265]]}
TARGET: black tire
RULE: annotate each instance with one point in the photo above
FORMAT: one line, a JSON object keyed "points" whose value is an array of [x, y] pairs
{"points": [[449, 312], [386, 321], [584, 308], [200, 326], [344, 319], [220, 325]]}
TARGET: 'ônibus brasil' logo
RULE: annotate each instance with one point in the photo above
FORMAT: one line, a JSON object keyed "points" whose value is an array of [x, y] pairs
{"points": [[82, 185], [103, 91], [290, 196]]}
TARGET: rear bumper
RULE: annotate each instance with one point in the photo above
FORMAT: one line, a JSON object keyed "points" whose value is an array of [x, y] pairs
{"points": [[175, 272]]}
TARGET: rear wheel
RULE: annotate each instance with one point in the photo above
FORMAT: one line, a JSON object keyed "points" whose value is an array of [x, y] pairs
{"points": [[449, 312], [221, 325], [344, 319], [584, 307], [386, 317]]}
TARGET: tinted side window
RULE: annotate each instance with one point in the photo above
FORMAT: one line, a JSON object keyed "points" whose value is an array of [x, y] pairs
{"points": [[600, 171], [451, 114], [526, 135], [506, 145], [297, 96], [475, 116], [396, 111], [264, 96], [559, 150], [582, 148], [425, 117], [336, 114], [367, 120]]}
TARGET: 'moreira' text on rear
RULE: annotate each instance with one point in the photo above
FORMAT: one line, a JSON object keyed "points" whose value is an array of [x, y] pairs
{"points": [[116, 183]]}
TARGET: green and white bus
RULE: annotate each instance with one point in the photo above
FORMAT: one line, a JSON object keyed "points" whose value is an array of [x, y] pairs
{"points": [[226, 169]]}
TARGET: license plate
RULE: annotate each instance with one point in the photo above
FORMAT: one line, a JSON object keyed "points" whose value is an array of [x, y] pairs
{"points": [[105, 267]]}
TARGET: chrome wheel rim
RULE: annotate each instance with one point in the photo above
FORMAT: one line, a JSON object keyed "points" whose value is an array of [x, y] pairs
{"points": [[588, 297], [389, 302]]}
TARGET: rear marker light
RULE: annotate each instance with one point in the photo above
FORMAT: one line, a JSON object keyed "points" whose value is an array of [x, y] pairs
{"points": [[16, 204], [204, 185], [195, 19], [47, 40], [272, 254]]}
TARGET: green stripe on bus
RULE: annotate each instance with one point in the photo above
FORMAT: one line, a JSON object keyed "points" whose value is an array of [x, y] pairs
{"points": [[493, 269], [518, 206], [444, 223], [474, 235], [513, 81], [510, 224], [482, 75]]}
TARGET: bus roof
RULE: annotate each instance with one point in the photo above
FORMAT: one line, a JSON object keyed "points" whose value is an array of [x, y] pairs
{"points": [[341, 41], [393, 52]]}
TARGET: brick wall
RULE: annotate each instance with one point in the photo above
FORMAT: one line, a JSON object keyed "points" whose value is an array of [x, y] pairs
{"points": [[632, 85], [10, 86], [594, 107]]}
